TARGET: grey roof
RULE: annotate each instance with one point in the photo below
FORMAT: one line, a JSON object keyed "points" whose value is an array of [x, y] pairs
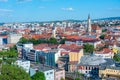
{"points": [[91, 60], [96, 61], [109, 67], [41, 67]]}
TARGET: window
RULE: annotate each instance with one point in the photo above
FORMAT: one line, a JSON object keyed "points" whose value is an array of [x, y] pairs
{"points": [[51, 72], [47, 73]]}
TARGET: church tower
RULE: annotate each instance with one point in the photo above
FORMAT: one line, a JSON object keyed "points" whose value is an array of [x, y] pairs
{"points": [[89, 25], [54, 32]]}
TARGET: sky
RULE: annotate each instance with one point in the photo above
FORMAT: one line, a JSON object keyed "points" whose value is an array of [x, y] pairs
{"points": [[51, 10]]}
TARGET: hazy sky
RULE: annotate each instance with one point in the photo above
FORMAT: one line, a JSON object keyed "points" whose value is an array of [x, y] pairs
{"points": [[46, 10]]}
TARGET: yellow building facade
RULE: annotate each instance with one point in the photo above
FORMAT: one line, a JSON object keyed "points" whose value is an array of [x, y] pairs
{"points": [[74, 58], [109, 72]]}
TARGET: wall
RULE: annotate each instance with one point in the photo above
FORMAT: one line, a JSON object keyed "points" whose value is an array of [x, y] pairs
{"points": [[109, 72], [14, 38], [49, 75], [59, 74], [75, 56]]}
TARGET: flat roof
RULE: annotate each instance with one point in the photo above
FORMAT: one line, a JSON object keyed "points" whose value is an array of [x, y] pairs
{"points": [[95, 61], [41, 67]]}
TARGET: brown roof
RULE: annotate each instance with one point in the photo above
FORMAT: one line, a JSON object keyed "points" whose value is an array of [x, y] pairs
{"points": [[95, 27]]}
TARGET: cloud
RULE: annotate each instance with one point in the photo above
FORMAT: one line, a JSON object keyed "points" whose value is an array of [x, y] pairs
{"points": [[21, 1], [6, 10], [114, 9], [3, 0], [68, 9]]}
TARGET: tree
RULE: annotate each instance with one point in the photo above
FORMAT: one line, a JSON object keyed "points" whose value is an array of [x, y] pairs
{"points": [[104, 30], [102, 36], [77, 79], [9, 56], [33, 41], [38, 76], [88, 48], [63, 41], [62, 79], [23, 40], [12, 72], [116, 57], [53, 41]]}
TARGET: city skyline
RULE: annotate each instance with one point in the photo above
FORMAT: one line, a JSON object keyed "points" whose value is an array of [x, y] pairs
{"points": [[50, 10]]}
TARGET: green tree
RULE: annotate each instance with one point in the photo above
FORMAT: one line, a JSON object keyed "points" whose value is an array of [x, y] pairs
{"points": [[104, 30], [116, 57], [12, 72], [23, 40], [62, 79], [102, 36], [33, 41], [63, 41], [77, 79], [38, 76], [88, 48], [53, 41], [9, 56]]}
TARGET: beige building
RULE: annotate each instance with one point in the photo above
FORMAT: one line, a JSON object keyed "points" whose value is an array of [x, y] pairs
{"points": [[110, 72], [14, 38], [74, 58]]}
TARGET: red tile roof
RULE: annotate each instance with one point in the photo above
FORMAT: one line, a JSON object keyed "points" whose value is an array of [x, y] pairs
{"points": [[107, 50], [95, 27], [71, 47], [45, 46], [73, 62]]}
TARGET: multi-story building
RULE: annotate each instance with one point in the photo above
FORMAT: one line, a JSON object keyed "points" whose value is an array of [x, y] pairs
{"points": [[29, 54], [89, 65], [3, 39], [109, 72], [14, 38], [59, 74], [74, 58], [105, 53], [48, 57], [24, 64], [48, 71]]}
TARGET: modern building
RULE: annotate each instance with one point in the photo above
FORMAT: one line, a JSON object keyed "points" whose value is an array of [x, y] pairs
{"points": [[47, 70], [30, 55], [49, 58], [14, 38], [24, 64]]}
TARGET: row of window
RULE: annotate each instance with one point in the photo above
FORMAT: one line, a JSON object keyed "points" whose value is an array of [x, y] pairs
{"points": [[112, 71], [49, 73]]}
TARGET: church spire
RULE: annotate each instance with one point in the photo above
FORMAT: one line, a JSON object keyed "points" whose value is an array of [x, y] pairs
{"points": [[89, 24], [88, 16]]}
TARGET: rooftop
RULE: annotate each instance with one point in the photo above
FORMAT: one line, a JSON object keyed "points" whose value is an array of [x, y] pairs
{"points": [[41, 67], [95, 60]]}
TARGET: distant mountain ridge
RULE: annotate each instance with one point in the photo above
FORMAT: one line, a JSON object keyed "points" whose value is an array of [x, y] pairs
{"points": [[109, 18], [72, 20]]}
